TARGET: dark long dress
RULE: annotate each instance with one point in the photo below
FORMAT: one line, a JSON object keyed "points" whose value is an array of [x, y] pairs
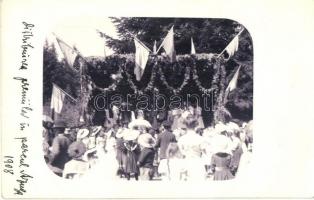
{"points": [[221, 162], [121, 153], [236, 156], [59, 152], [131, 158]]}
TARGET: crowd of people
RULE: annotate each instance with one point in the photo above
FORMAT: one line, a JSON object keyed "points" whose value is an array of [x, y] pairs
{"points": [[180, 148]]}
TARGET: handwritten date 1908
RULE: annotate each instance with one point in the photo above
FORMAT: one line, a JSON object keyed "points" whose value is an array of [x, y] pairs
{"points": [[8, 168]]}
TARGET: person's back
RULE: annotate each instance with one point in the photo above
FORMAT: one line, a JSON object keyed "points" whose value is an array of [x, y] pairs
{"points": [[191, 144], [59, 150], [163, 142]]}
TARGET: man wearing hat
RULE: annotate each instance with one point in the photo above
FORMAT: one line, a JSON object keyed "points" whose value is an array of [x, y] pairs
{"points": [[163, 141], [58, 155]]}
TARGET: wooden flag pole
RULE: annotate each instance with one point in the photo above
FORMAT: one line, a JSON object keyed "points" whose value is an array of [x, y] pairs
{"points": [[230, 42], [163, 40]]}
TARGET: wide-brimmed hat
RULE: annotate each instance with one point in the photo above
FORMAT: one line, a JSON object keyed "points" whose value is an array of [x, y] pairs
{"points": [[121, 132], [77, 149], [82, 133], [220, 127], [131, 135], [95, 130], [139, 123], [59, 124], [146, 140], [232, 127], [221, 144]]}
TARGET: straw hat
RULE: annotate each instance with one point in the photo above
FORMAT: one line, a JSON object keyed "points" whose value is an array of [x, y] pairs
{"points": [[221, 144], [232, 127], [95, 130], [220, 127], [146, 140], [82, 133], [76, 149], [131, 135], [121, 132]]}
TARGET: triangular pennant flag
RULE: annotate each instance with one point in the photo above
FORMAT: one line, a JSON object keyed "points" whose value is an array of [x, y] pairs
{"points": [[141, 57], [155, 48], [57, 98], [168, 45], [233, 83], [233, 46], [192, 47], [69, 53]]}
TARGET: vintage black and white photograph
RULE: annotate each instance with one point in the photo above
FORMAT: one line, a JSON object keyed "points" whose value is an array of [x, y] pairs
{"points": [[148, 99]]}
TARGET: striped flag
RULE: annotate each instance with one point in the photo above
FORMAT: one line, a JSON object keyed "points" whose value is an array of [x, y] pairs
{"points": [[192, 47], [233, 46], [69, 53], [233, 83], [57, 99], [63, 106], [168, 45], [141, 57]]}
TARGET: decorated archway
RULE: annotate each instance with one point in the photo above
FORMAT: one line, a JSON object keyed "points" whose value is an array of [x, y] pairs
{"points": [[194, 79]]}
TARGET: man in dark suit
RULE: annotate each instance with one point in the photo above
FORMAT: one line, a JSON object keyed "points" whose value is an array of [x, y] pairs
{"points": [[163, 141], [58, 155]]}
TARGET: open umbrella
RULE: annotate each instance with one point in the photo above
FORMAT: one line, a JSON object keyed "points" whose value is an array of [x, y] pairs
{"points": [[139, 123]]}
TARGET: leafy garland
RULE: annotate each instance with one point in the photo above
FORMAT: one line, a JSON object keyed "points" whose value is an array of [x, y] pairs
{"points": [[151, 83], [214, 83], [169, 87], [220, 112], [117, 78], [190, 72]]}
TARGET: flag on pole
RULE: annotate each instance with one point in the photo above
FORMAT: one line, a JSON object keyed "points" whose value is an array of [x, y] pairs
{"points": [[69, 53], [233, 83], [141, 57], [233, 46], [63, 106], [57, 99], [192, 47], [155, 48], [168, 45]]}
